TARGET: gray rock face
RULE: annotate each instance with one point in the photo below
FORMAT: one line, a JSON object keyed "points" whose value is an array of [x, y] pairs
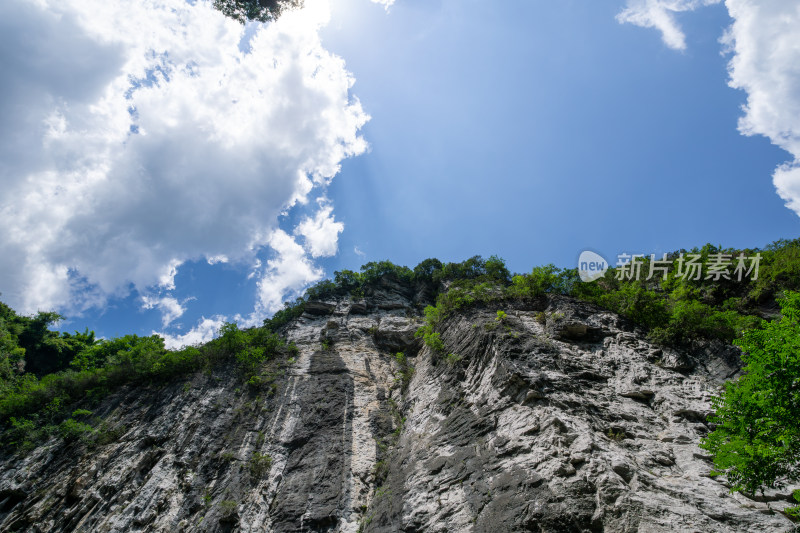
{"points": [[559, 417]]}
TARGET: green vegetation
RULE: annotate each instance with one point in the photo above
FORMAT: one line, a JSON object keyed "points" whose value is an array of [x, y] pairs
{"points": [[406, 370], [452, 359], [353, 284], [257, 10], [228, 510], [398, 419], [432, 339], [27, 342], [251, 348], [259, 464], [616, 436], [674, 307], [679, 309], [71, 429], [756, 442], [33, 408]]}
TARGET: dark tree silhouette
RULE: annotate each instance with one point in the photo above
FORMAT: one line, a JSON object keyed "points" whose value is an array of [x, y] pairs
{"points": [[258, 10]]}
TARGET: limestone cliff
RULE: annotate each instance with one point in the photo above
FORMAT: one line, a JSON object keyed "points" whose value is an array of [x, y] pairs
{"points": [[559, 417]]}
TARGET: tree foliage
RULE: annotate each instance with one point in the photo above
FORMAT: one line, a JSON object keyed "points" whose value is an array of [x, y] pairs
{"points": [[256, 10], [33, 408], [756, 442], [28, 345]]}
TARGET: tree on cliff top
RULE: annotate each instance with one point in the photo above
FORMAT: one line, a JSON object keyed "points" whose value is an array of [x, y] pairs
{"points": [[257, 10]]}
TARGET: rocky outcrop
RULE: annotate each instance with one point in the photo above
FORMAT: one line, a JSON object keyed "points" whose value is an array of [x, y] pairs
{"points": [[559, 417]]}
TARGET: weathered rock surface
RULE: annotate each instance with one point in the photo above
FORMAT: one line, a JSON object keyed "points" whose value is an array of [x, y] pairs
{"points": [[559, 417]]}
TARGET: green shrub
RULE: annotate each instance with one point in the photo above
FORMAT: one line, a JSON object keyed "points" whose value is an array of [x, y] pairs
{"points": [[616, 436], [474, 268], [71, 430], [542, 280], [434, 342], [22, 433], [259, 464], [231, 338], [406, 370], [228, 509], [425, 270], [452, 359], [251, 357], [496, 269], [794, 512], [129, 349], [641, 305], [289, 312], [107, 433], [373, 271]]}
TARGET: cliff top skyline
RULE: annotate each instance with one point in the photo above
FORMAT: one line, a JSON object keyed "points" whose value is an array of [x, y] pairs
{"points": [[166, 169]]}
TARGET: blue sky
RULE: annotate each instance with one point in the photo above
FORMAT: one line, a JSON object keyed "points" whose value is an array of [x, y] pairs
{"points": [[351, 132]]}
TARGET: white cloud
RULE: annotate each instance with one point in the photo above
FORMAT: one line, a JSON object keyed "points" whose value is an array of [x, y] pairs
{"points": [[213, 260], [254, 270], [385, 3], [321, 233], [787, 182], [171, 309], [138, 135], [205, 330], [167, 273], [765, 41], [660, 14], [290, 271], [358, 251]]}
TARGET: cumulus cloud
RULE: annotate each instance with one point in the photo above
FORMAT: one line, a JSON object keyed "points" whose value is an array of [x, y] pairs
{"points": [[765, 42], [139, 135], [205, 330], [215, 259], [660, 14], [171, 309], [321, 233], [289, 272]]}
